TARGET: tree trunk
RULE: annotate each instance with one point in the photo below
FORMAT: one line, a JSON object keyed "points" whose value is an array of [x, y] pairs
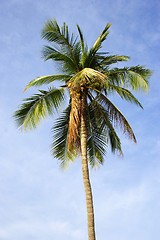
{"points": [[85, 170]]}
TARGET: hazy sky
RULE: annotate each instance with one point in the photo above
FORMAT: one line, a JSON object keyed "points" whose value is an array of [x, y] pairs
{"points": [[38, 200]]}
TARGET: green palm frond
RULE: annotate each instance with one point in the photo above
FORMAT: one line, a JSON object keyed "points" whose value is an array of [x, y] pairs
{"points": [[123, 93], [98, 43], [96, 46], [138, 77], [53, 33], [114, 140], [111, 59], [60, 138], [81, 39], [116, 117], [97, 141], [54, 54], [47, 80], [37, 107], [134, 77], [67, 45], [84, 47], [106, 128], [75, 56], [68, 62]]}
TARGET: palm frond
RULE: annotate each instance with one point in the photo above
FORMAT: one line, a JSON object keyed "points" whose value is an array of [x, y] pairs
{"points": [[123, 93], [84, 48], [69, 64], [116, 116], [60, 132], [134, 77], [54, 54], [81, 38], [53, 33], [106, 131], [98, 43], [96, 46], [111, 59], [76, 58], [97, 141], [47, 80], [138, 77], [37, 107], [68, 45]]}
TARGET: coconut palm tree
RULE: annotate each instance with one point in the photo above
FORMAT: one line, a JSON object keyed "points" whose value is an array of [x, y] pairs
{"points": [[87, 78]]}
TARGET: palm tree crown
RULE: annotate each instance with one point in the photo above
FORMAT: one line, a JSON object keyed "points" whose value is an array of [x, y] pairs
{"points": [[92, 70]]}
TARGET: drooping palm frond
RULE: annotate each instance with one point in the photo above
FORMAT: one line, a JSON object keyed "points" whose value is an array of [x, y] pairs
{"points": [[60, 132], [97, 141], [39, 81], [37, 107], [109, 135], [123, 93], [116, 116], [134, 77]]}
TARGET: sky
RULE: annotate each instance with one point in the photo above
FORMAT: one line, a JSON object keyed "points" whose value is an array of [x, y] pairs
{"points": [[40, 201]]}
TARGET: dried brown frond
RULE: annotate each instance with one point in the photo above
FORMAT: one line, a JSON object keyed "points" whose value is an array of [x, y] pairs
{"points": [[74, 120]]}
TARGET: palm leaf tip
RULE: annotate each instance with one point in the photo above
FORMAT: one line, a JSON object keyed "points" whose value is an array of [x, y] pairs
{"points": [[105, 31], [50, 27], [139, 76], [101, 38]]}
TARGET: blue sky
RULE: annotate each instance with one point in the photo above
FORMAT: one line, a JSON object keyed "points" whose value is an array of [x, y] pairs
{"points": [[38, 200]]}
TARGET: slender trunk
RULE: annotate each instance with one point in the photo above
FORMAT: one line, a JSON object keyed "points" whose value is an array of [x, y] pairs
{"points": [[85, 170]]}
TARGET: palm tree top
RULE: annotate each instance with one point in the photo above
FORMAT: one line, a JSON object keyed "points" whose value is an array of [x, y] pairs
{"points": [[83, 69]]}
